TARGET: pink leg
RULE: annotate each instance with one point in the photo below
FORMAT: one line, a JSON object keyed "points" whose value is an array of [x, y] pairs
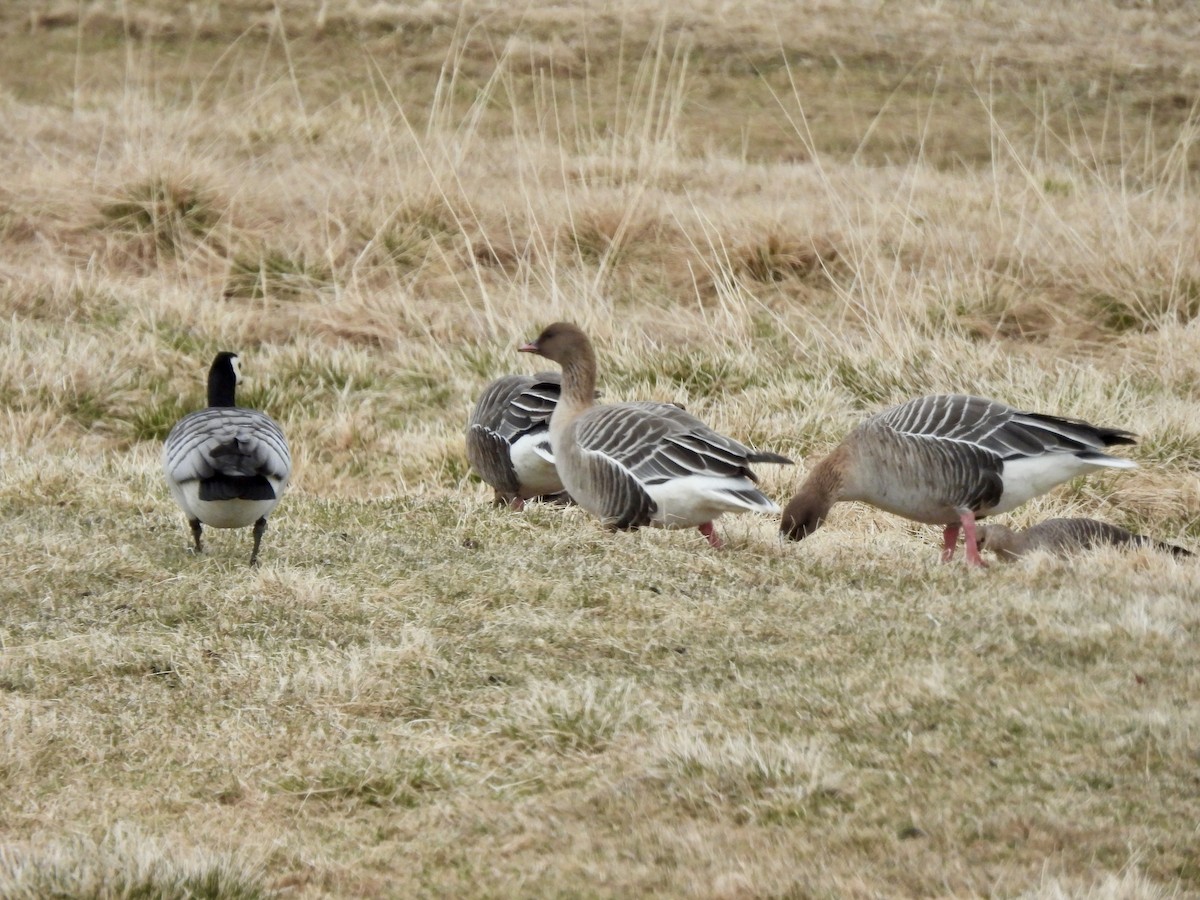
{"points": [[710, 532], [516, 503], [968, 526], [949, 542]]}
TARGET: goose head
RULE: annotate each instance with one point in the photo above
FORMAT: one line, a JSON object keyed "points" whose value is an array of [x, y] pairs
{"points": [[1000, 539], [560, 342], [804, 514]]}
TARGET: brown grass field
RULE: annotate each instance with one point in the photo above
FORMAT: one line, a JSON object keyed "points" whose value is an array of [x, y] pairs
{"points": [[785, 215]]}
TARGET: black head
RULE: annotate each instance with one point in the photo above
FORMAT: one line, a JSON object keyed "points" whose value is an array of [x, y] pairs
{"points": [[223, 379]]}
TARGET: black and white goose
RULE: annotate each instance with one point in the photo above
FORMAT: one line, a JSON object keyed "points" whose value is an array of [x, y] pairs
{"points": [[646, 463], [227, 466], [508, 438], [948, 459]]}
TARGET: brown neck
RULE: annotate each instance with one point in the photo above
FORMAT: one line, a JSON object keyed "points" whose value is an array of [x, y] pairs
{"points": [[578, 395], [828, 477], [823, 488], [579, 378]]}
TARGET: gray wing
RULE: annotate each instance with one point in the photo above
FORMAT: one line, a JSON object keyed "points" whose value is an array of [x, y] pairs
{"points": [[996, 428], [656, 442], [517, 404], [229, 442], [509, 408], [627, 446], [945, 443]]}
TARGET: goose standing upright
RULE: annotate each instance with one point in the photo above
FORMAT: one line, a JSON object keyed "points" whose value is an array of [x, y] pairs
{"points": [[644, 463], [1063, 537], [227, 466], [948, 459], [508, 438]]}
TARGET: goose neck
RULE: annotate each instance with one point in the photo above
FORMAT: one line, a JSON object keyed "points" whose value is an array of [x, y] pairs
{"points": [[579, 379], [222, 386], [827, 480]]}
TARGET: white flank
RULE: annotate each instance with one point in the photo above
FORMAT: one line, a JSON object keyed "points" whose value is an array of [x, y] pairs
{"points": [[534, 465], [695, 499], [1027, 478]]}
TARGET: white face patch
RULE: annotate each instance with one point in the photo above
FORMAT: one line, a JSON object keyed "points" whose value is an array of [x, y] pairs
{"points": [[236, 363]]}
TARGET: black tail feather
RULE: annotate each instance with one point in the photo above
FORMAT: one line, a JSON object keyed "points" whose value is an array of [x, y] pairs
{"points": [[236, 487]]}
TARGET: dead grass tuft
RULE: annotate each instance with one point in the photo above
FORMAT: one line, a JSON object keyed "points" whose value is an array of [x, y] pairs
{"points": [[588, 716], [123, 863], [776, 256], [277, 274], [553, 58], [164, 215], [777, 779], [610, 234]]}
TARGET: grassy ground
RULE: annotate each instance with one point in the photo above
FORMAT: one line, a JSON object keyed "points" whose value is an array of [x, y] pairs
{"points": [[783, 219]]}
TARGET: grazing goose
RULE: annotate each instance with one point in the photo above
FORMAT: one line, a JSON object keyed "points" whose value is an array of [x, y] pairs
{"points": [[227, 466], [947, 459], [508, 438], [645, 463], [1063, 537]]}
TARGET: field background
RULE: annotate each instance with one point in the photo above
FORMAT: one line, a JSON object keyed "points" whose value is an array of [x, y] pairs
{"points": [[784, 215]]}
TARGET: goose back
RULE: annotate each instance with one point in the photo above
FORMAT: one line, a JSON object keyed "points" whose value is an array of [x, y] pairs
{"points": [[226, 466], [996, 427]]}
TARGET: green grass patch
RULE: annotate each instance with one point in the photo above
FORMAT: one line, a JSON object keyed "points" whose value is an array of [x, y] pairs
{"points": [[281, 274]]}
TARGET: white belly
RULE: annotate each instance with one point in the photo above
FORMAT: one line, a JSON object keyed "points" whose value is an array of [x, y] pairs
{"points": [[222, 513]]}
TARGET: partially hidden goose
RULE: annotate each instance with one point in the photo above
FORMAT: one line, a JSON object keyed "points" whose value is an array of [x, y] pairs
{"points": [[642, 463], [508, 438], [1062, 537], [227, 466], [947, 459]]}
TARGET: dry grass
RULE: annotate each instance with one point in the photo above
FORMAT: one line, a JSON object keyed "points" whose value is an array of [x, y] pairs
{"points": [[783, 222]]}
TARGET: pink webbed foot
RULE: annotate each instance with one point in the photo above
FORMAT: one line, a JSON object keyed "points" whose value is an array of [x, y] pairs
{"points": [[968, 526], [710, 532], [949, 542]]}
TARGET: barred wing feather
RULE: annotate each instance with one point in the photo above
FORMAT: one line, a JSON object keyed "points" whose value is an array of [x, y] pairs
{"points": [[997, 428], [656, 442], [229, 442]]}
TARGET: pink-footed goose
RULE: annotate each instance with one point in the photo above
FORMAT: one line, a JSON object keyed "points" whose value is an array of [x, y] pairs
{"points": [[948, 459], [1062, 537], [643, 463], [508, 438]]}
